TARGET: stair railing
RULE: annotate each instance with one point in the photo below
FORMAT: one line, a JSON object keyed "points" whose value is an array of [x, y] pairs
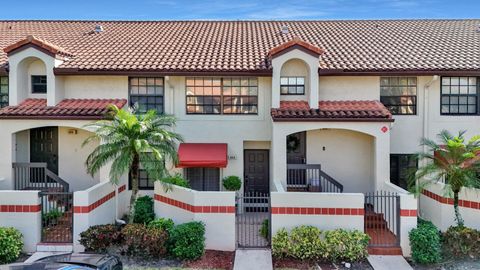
{"points": [[36, 176]]}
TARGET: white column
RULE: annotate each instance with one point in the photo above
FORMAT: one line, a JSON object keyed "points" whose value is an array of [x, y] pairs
{"points": [[6, 152], [279, 156], [276, 84], [313, 74], [382, 157]]}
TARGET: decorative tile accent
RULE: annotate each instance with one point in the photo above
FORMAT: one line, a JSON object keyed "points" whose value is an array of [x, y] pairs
{"points": [[91, 207], [384, 129], [195, 208], [20, 208], [317, 211], [408, 212], [122, 188], [444, 200]]}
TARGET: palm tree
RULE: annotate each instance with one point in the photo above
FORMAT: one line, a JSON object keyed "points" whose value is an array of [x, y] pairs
{"points": [[129, 141], [452, 160]]}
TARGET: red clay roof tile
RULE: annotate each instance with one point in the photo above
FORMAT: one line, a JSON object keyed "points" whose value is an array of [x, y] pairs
{"points": [[243, 46], [37, 42], [292, 43], [36, 108], [358, 110]]}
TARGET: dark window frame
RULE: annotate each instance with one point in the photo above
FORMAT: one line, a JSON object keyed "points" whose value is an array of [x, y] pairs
{"points": [[222, 97], [399, 168], [204, 182], [154, 96], [399, 104], [140, 178], [34, 84], [296, 85], [477, 95], [3, 85]]}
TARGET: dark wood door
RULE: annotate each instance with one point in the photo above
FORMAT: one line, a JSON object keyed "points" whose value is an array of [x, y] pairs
{"points": [[297, 148], [44, 147], [256, 174]]}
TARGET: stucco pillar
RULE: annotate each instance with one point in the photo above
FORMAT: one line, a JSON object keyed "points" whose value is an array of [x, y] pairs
{"points": [[279, 156], [313, 98], [277, 67], [6, 152], [382, 157]]}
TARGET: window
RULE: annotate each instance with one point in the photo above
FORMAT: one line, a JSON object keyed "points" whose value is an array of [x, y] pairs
{"points": [[459, 95], [399, 94], [401, 166], [39, 84], [144, 182], [3, 92], [292, 85], [146, 94], [203, 179], [222, 95]]}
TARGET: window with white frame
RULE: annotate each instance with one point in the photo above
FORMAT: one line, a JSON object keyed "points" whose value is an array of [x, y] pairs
{"points": [[292, 85]]}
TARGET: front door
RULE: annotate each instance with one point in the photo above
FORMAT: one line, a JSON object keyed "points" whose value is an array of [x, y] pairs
{"points": [[296, 148], [44, 147], [256, 174]]}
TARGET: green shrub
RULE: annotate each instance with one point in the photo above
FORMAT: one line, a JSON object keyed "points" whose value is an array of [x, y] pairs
{"points": [[425, 243], [11, 244], [188, 240], [99, 237], [232, 183], [51, 217], [305, 243], [462, 242], [143, 210], [177, 180], [281, 244], [139, 240], [343, 245], [165, 224], [264, 229]]}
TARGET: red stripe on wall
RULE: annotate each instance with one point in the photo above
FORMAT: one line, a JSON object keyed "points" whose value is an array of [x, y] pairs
{"points": [[195, 208], [122, 188], [317, 211], [91, 207], [408, 213], [20, 208], [441, 199]]}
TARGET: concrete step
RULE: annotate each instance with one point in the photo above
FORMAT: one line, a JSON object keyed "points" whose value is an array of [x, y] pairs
{"points": [[253, 259], [54, 247], [389, 262]]}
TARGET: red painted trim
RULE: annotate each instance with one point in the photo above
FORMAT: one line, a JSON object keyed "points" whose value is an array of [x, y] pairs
{"points": [[444, 200], [122, 188], [408, 213], [195, 208], [20, 208], [317, 211], [91, 207]]}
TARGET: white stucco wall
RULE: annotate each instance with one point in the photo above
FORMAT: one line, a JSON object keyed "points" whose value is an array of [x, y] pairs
{"points": [[348, 157], [349, 88], [96, 86]]}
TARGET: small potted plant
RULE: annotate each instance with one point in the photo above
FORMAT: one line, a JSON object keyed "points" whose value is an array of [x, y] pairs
{"points": [[232, 183]]}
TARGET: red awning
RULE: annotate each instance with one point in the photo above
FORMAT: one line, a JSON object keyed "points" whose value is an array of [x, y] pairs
{"points": [[211, 155]]}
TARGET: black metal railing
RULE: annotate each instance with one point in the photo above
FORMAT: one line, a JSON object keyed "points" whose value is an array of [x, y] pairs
{"points": [[382, 218], [311, 178], [57, 217], [36, 176], [253, 220]]}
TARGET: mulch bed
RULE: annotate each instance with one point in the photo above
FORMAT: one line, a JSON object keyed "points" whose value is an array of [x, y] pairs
{"points": [[287, 263], [213, 259]]}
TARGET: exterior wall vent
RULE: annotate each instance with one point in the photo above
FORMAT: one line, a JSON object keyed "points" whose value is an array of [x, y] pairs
{"points": [[98, 28], [285, 29]]}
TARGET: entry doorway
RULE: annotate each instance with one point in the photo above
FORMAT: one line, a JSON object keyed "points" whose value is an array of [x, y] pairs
{"points": [[256, 172]]}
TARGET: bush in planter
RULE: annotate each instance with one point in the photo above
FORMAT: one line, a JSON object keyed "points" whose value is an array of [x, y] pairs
{"points": [[425, 243], [143, 210], [11, 244], [232, 183], [460, 241], [305, 243], [177, 180], [345, 245], [99, 238], [188, 240], [281, 244], [139, 240], [165, 224]]}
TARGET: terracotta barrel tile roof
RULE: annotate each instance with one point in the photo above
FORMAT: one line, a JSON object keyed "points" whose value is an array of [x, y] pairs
{"points": [[43, 44], [243, 46], [292, 43], [358, 110], [36, 108]]}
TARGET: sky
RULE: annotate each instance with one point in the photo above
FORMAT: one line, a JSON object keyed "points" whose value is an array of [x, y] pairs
{"points": [[237, 10]]}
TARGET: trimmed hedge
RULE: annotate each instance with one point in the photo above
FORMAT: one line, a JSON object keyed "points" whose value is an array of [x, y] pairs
{"points": [[11, 244], [188, 240], [232, 183], [425, 243], [462, 242], [99, 238], [143, 210], [139, 240]]}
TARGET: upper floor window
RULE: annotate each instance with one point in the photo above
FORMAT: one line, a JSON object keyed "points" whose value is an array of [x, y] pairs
{"points": [[3, 92], [146, 94], [39, 84], [399, 94], [213, 95], [292, 85], [459, 95]]}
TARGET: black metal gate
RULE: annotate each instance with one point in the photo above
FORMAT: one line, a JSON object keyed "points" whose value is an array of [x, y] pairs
{"points": [[253, 220], [57, 217], [382, 218]]}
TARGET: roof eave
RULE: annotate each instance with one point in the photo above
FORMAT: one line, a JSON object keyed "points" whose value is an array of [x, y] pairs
{"points": [[304, 119]]}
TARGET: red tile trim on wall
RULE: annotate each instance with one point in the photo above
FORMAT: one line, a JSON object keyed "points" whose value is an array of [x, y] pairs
{"points": [[195, 208], [317, 211], [408, 212], [441, 199], [20, 208], [122, 188], [91, 207]]}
